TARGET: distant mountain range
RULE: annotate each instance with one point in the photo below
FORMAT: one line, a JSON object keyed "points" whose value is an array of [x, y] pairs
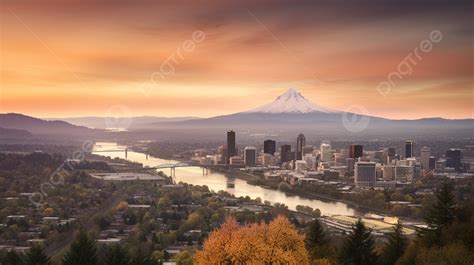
{"points": [[289, 113], [26, 125], [102, 122], [292, 112]]}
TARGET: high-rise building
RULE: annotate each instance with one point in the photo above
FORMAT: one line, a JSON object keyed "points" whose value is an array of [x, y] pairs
{"points": [[307, 150], [391, 153], [231, 148], [453, 159], [269, 147], [285, 153], [350, 165], [409, 147], [300, 143], [425, 154], [365, 174], [326, 152], [222, 152], [355, 151], [432, 162], [250, 156]]}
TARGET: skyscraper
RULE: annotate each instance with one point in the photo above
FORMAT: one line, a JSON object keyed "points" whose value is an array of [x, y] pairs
{"points": [[285, 153], [326, 154], [365, 174], [300, 143], [391, 153], [425, 154], [269, 147], [231, 149], [432, 162], [250, 156], [453, 159], [355, 151], [409, 147]]}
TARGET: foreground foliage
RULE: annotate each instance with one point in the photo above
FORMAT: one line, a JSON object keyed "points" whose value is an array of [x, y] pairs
{"points": [[275, 243]]}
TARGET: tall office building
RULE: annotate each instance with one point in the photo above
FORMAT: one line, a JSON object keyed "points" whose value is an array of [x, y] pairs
{"points": [[425, 154], [250, 156], [432, 162], [231, 148], [300, 143], [453, 159], [409, 147], [391, 154], [285, 153], [269, 147], [222, 152], [326, 152], [355, 151], [365, 174]]}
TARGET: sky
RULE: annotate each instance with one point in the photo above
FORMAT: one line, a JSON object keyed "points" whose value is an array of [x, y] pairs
{"points": [[402, 59]]}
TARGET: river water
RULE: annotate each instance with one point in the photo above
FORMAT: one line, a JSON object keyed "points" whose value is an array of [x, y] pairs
{"points": [[218, 181]]}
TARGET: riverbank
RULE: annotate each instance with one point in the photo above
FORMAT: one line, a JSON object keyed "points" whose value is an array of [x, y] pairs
{"points": [[258, 181]]}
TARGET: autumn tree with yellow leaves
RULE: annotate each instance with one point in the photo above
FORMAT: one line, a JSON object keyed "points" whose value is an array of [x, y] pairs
{"points": [[275, 243]]}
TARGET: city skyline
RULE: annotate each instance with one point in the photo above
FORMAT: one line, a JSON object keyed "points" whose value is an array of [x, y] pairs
{"points": [[241, 55]]}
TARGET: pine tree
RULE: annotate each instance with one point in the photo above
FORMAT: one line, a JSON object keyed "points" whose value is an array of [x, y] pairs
{"points": [[12, 258], [116, 255], [37, 256], [316, 236], [317, 242], [442, 213], [395, 246], [358, 248], [83, 251]]}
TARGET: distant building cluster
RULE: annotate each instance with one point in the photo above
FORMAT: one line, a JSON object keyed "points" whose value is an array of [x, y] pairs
{"points": [[384, 168]]}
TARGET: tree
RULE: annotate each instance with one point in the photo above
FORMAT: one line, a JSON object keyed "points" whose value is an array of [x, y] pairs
{"points": [[317, 241], [37, 256], [116, 255], [140, 257], [315, 236], [439, 216], [358, 248], [395, 246], [12, 258], [184, 258], [83, 251], [442, 213], [275, 243]]}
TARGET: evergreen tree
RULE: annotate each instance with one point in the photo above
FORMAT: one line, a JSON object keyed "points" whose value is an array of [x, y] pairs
{"points": [[358, 248], [116, 255], [12, 258], [83, 251], [395, 246], [442, 213], [316, 236], [37, 256]]}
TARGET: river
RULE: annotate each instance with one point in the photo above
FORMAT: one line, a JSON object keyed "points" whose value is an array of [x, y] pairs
{"points": [[218, 181]]}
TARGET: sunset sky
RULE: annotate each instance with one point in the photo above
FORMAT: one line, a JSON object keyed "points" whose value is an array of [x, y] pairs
{"points": [[69, 58]]}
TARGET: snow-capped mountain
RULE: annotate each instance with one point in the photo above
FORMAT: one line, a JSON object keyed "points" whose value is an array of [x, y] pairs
{"points": [[291, 102]]}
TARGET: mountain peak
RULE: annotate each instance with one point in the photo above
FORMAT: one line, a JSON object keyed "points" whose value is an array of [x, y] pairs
{"points": [[292, 101]]}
